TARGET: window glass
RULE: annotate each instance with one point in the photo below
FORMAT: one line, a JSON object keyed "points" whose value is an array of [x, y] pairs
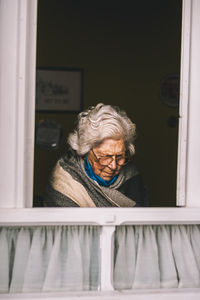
{"points": [[130, 55]]}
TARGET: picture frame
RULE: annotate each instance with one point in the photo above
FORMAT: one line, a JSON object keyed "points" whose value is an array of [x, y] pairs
{"points": [[59, 90]]}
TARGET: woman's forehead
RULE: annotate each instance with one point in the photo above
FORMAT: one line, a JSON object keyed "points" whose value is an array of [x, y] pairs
{"points": [[111, 146]]}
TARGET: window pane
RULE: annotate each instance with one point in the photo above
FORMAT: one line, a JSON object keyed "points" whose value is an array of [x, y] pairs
{"points": [[130, 54]]}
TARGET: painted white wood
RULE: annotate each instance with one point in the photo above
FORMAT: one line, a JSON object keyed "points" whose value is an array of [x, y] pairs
{"points": [[17, 85], [184, 98], [193, 163], [98, 216], [17, 82], [26, 101], [17, 98], [8, 105], [178, 294], [106, 250]]}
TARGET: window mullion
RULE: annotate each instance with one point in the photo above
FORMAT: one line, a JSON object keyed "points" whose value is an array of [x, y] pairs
{"points": [[184, 99], [17, 100], [106, 258]]}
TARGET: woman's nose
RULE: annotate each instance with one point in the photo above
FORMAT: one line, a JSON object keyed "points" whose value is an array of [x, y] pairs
{"points": [[113, 164]]}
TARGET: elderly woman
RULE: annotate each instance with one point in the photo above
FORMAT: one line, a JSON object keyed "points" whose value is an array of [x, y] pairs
{"points": [[97, 171]]}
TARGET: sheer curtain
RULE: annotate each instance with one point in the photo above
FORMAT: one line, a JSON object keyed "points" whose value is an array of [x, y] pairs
{"points": [[67, 258], [44, 258], [166, 256]]}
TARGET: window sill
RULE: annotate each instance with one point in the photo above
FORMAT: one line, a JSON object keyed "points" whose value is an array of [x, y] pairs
{"points": [[98, 216], [154, 294]]}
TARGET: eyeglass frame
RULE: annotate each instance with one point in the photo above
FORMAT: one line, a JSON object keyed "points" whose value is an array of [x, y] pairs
{"points": [[126, 159]]}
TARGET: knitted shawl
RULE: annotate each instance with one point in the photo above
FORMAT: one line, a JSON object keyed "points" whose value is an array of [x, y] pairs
{"points": [[71, 186]]}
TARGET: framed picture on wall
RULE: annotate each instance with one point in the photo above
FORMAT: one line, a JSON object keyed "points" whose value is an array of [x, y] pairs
{"points": [[59, 90]]}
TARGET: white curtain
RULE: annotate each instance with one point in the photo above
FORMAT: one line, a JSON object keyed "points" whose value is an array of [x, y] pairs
{"points": [[65, 258], [44, 258], [166, 256]]}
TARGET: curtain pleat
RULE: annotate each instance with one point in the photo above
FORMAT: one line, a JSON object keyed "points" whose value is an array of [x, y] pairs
{"points": [[124, 270], [167, 267], [184, 257], [49, 258], [4, 262], [20, 260], [147, 270], [72, 268], [37, 261], [195, 238], [94, 266], [165, 256]]}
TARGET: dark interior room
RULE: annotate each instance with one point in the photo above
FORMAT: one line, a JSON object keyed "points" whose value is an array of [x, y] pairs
{"points": [[129, 54]]}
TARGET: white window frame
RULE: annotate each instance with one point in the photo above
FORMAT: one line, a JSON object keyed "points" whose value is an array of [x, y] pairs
{"points": [[18, 26]]}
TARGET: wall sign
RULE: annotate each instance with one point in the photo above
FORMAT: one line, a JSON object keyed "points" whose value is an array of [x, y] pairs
{"points": [[59, 90]]}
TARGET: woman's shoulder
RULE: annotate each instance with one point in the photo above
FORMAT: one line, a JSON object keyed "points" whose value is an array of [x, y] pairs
{"points": [[68, 158], [130, 170]]}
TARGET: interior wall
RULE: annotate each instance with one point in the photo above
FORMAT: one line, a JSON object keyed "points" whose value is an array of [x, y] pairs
{"points": [[126, 49]]}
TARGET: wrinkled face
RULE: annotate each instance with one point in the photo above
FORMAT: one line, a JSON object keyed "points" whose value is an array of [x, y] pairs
{"points": [[106, 159]]}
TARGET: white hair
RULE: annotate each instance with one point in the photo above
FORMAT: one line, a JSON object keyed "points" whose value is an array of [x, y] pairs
{"points": [[99, 123]]}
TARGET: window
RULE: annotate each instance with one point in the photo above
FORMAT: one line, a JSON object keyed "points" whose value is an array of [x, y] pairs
{"points": [[126, 52], [17, 130]]}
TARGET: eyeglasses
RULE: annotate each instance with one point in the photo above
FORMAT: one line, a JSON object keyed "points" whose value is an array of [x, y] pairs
{"points": [[108, 159]]}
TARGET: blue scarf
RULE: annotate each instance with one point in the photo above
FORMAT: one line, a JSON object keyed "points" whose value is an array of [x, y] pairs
{"points": [[95, 177]]}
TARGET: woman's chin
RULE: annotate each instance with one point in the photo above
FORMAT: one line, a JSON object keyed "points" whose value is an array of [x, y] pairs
{"points": [[107, 177]]}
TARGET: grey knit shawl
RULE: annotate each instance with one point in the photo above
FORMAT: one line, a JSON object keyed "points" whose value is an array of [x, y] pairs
{"points": [[101, 196]]}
